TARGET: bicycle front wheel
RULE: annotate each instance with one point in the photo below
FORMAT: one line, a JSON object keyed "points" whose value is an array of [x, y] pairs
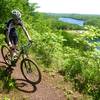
{"points": [[30, 71], [6, 54]]}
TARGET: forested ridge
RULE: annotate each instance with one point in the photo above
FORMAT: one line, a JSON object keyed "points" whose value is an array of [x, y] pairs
{"points": [[89, 19], [73, 55]]}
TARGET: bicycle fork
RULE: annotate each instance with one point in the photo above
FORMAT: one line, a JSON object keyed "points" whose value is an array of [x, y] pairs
{"points": [[28, 67]]}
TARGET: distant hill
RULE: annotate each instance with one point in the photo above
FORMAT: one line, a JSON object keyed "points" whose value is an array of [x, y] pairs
{"points": [[90, 19]]}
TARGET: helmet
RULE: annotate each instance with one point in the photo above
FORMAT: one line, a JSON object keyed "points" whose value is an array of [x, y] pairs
{"points": [[16, 14]]}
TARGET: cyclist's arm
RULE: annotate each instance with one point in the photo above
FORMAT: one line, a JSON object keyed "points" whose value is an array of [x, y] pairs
{"points": [[26, 32]]}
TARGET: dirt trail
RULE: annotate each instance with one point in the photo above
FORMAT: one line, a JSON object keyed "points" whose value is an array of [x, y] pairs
{"points": [[45, 90]]}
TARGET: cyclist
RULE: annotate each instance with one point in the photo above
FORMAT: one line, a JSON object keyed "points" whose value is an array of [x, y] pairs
{"points": [[10, 32]]}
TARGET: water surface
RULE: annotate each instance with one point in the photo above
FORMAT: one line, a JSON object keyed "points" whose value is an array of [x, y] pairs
{"points": [[72, 21]]}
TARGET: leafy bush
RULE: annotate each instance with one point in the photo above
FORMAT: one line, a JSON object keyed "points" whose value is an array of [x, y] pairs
{"points": [[82, 66], [7, 82]]}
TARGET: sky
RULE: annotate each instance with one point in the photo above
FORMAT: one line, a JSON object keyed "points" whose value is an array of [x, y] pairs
{"points": [[68, 6]]}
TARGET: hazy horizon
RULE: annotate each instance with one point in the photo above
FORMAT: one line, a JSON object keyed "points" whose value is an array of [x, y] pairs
{"points": [[68, 6]]}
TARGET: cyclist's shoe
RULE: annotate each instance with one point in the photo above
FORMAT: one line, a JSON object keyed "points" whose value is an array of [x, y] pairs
{"points": [[15, 55]]}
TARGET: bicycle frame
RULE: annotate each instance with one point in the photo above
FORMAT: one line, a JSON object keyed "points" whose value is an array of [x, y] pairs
{"points": [[23, 51], [29, 68]]}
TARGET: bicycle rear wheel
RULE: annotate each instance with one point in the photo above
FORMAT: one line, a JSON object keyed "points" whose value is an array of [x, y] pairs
{"points": [[30, 71], [6, 54]]}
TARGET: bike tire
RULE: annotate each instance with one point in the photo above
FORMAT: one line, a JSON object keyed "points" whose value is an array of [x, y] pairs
{"points": [[6, 54], [30, 71]]}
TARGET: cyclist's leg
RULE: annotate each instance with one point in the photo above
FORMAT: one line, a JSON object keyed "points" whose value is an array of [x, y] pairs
{"points": [[11, 37], [15, 42]]}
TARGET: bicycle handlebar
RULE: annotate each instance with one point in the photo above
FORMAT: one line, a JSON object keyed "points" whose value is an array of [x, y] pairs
{"points": [[28, 45]]}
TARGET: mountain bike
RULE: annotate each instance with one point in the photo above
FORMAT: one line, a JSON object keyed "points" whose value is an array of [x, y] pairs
{"points": [[29, 68]]}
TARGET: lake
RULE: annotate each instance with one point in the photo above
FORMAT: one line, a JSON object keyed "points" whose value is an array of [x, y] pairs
{"points": [[72, 21]]}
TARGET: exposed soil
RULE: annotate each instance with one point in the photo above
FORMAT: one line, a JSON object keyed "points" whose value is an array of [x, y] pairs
{"points": [[45, 90]]}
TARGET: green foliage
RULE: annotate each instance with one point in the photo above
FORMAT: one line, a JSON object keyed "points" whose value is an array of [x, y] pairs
{"points": [[7, 82], [82, 66], [6, 98], [65, 26], [41, 23], [47, 46]]}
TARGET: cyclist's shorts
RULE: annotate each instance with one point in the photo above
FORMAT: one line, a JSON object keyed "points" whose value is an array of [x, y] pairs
{"points": [[13, 38]]}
